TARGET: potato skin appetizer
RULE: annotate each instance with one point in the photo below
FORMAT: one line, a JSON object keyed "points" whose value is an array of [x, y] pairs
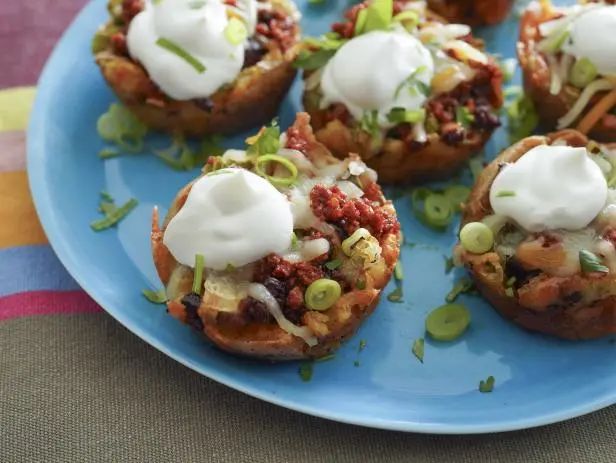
{"points": [[552, 103], [472, 12], [244, 326], [530, 287], [251, 100], [416, 152]]}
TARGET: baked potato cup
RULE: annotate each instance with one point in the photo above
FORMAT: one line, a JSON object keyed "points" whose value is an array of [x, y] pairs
{"points": [[570, 305], [472, 12], [241, 325], [250, 101], [553, 99], [440, 144]]}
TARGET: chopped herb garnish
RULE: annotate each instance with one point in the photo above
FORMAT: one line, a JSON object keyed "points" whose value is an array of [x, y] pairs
{"points": [[156, 297], [178, 156], [464, 285], [508, 67], [267, 141], [181, 53], [377, 16], [333, 264], [198, 274], [370, 123], [235, 32], [326, 358], [360, 284], [418, 349], [505, 194], [401, 115], [399, 271], [449, 264], [414, 85], [294, 242], [106, 197], [113, 214], [108, 153], [305, 371], [522, 117], [487, 385], [409, 18], [230, 268], [356, 363], [362, 345], [396, 295], [591, 263], [120, 126], [509, 292], [464, 116], [475, 165], [311, 60]]}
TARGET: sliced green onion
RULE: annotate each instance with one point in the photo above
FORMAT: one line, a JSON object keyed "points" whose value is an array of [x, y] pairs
{"points": [[554, 41], [235, 32], [487, 385], [396, 295], [156, 297], [322, 294], [198, 274], [463, 285], [349, 243], [108, 153], [333, 264], [114, 216], [263, 161], [477, 237], [105, 196], [437, 210], [401, 115], [311, 60], [398, 271], [591, 263], [464, 116], [181, 53], [370, 123], [360, 22], [457, 196], [418, 349], [294, 242], [360, 284], [378, 15], [120, 126], [475, 165], [305, 371], [449, 265], [582, 73], [505, 194], [409, 18], [267, 141], [356, 363], [362, 345], [326, 358], [448, 322], [413, 83], [522, 117]]}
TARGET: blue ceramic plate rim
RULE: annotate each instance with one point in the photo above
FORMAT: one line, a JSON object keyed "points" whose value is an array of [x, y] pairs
{"points": [[39, 186]]}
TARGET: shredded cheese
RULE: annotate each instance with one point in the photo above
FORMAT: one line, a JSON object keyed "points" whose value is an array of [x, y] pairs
{"points": [[591, 89], [597, 112]]}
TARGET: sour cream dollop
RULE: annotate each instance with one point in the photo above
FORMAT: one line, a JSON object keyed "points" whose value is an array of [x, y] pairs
{"points": [[549, 188], [366, 73], [198, 28], [593, 36], [232, 217]]}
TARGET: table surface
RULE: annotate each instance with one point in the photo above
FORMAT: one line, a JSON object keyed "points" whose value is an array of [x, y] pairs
{"points": [[77, 386]]}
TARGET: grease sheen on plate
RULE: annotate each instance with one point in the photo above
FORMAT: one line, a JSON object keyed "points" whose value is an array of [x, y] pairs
{"points": [[538, 380]]}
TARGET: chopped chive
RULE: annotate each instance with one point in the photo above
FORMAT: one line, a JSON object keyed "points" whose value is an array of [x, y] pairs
{"points": [[294, 242], [418, 349], [114, 216], [590, 263], [108, 153], [505, 194], [463, 285], [305, 371], [333, 264], [198, 274], [181, 53], [325, 358], [398, 271], [487, 385], [106, 196], [395, 295], [464, 116], [156, 297], [362, 345]]}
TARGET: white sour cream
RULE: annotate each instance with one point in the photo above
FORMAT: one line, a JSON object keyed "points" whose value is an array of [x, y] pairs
{"points": [[198, 27], [549, 188], [367, 71], [593, 36], [230, 217]]}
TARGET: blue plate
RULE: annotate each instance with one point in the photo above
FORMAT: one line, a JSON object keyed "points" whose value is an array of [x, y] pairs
{"points": [[538, 380]]}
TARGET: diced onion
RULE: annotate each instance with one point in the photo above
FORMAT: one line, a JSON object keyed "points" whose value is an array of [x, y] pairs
{"points": [[555, 77], [260, 293], [350, 189], [308, 250], [235, 155], [598, 85], [466, 51]]}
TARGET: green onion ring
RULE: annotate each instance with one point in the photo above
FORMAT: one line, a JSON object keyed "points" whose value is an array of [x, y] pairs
{"points": [[322, 294], [437, 210], [262, 161]]}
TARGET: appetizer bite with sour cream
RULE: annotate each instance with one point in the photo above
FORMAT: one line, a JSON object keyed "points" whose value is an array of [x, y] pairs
{"points": [[278, 251], [539, 235], [568, 59], [473, 12], [197, 67], [413, 95]]}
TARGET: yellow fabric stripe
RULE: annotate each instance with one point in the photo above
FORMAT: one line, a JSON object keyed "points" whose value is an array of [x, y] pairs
{"points": [[19, 225], [15, 106]]}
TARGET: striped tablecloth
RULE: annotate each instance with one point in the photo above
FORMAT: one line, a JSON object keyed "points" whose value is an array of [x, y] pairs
{"points": [[76, 386]]}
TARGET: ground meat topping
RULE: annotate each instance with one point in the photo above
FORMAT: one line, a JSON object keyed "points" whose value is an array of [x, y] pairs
{"points": [[295, 140], [332, 205]]}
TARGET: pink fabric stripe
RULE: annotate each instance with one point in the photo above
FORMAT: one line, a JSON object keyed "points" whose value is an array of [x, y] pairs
{"points": [[12, 151], [46, 303]]}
